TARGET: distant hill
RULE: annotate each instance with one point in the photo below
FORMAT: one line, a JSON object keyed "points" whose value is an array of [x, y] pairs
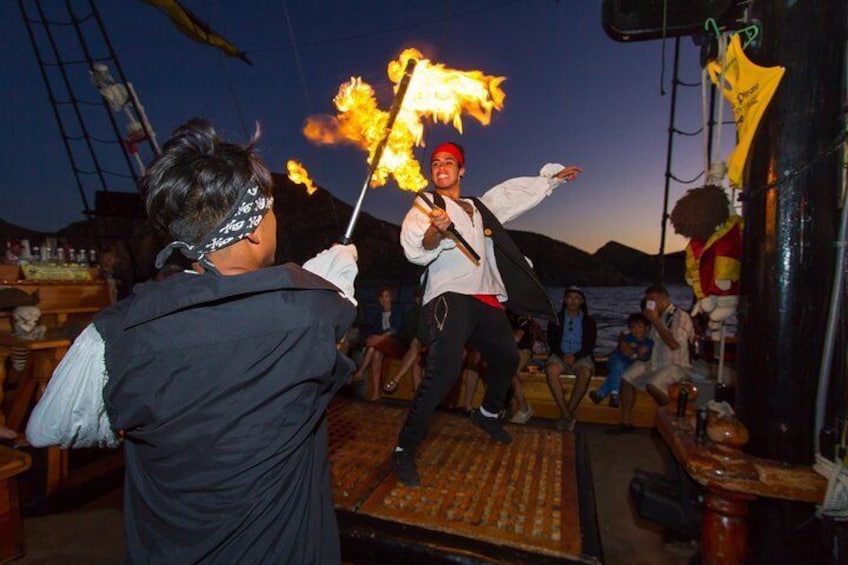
{"points": [[308, 224], [12, 231], [560, 264], [640, 267]]}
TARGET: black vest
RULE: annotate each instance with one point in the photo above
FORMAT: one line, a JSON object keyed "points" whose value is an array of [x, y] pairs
{"points": [[526, 294], [220, 384]]}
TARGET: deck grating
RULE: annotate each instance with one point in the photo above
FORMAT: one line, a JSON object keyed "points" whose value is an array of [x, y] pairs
{"points": [[522, 495]]}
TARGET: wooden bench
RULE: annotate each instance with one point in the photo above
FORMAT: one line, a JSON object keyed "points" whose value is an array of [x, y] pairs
{"points": [[538, 395]]}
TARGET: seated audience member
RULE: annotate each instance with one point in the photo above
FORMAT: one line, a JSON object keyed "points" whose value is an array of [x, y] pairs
{"points": [[525, 330], [633, 345], [383, 342], [671, 331], [572, 340], [414, 334]]}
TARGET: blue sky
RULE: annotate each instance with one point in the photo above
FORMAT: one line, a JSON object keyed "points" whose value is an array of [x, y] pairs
{"points": [[573, 95]]}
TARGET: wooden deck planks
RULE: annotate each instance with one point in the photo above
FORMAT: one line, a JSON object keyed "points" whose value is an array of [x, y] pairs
{"points": [[523, 495]]}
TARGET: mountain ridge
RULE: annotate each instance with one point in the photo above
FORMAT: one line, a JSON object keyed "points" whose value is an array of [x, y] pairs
{"points": [[307, 224]]}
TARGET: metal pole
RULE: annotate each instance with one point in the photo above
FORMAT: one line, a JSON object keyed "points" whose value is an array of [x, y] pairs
{"points": [[375, 162], [664, 222]]}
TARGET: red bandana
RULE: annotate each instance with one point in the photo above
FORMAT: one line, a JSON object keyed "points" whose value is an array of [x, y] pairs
{"points": [[451, 148]]}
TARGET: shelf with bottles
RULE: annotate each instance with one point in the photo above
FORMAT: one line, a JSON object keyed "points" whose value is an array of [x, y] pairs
{"points": [[48, 261]]}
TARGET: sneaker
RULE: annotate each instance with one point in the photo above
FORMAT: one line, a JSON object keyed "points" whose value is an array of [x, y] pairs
{"points": [[522, 416], [404, 468], [492, 426], [620, 429], [613, 403], [595, 397]]}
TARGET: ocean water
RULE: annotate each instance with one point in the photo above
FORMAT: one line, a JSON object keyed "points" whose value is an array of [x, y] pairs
{"points": [[609, 305]]}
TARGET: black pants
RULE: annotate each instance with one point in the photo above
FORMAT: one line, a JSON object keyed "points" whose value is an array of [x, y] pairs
{"points": [[454, 320]]}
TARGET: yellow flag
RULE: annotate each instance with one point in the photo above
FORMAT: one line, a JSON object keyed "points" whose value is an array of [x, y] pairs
{"points": [[749, 89], [195, 28]]}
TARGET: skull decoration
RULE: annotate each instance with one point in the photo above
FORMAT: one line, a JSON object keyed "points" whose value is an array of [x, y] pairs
{"points": [[26, 322]]}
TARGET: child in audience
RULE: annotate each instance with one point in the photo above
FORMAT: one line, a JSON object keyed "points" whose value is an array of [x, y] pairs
{"points": [[633, 345]]}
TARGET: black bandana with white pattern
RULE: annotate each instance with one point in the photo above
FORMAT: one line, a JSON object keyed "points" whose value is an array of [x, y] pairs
{"points": [[240, 221]]}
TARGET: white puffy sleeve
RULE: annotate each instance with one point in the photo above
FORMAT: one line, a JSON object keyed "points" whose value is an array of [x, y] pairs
{"points": [[513, 197], [72, 412], [337, 265]]}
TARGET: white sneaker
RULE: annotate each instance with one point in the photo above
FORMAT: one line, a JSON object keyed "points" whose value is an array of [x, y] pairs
{"points": [[522, 417]]}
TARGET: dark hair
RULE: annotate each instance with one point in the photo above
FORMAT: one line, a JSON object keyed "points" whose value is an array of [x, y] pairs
{"points": [[656, 289], [192, 185], [383, 289], [638, 318], [584, 306]]}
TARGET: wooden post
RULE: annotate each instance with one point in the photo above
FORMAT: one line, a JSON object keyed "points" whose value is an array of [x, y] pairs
{"points": [[791, 210], [724, 531]]}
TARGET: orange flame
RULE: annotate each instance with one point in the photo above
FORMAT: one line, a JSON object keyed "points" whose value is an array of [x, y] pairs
{"points": [[299, 175], [435, 92]]}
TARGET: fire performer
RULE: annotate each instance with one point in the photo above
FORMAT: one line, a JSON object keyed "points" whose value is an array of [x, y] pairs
{"points": [[464, 299], [216, 379]]}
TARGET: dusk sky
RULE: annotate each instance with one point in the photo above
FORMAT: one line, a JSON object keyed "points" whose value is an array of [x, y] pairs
{"points": [[573, 95]]}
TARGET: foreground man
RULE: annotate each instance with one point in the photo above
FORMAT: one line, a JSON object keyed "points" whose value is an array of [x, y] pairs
{"points": [[216, 379], [464, 301]]}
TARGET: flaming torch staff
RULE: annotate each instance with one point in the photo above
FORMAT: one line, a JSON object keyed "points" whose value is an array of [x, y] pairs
{"points": [[378, 153]]}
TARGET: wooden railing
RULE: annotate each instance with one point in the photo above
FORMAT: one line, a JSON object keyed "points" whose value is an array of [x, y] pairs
{"points": [[733, 480]]}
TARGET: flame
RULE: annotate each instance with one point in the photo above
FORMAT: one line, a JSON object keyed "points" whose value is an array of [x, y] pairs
{"points": [[299, 175], [435, 92]]}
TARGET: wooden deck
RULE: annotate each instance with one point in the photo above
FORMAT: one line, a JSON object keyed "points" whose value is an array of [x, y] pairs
{"points": [[480, 502]]}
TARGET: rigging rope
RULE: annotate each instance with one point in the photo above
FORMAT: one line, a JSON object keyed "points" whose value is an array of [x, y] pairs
{"points": [[307, 101], [386, 31], [45, 21], [297, 59], [688, 133], [690, 181], [662, 54], [791, 174], [233, 95]]}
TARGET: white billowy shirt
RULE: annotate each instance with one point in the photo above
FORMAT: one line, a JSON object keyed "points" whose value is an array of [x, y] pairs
{"points": [[680, 325], [449, 269], [71, 413]]}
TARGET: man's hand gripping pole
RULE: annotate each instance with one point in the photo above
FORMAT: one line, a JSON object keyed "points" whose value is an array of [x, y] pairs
{"points": [[453, 231]]}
